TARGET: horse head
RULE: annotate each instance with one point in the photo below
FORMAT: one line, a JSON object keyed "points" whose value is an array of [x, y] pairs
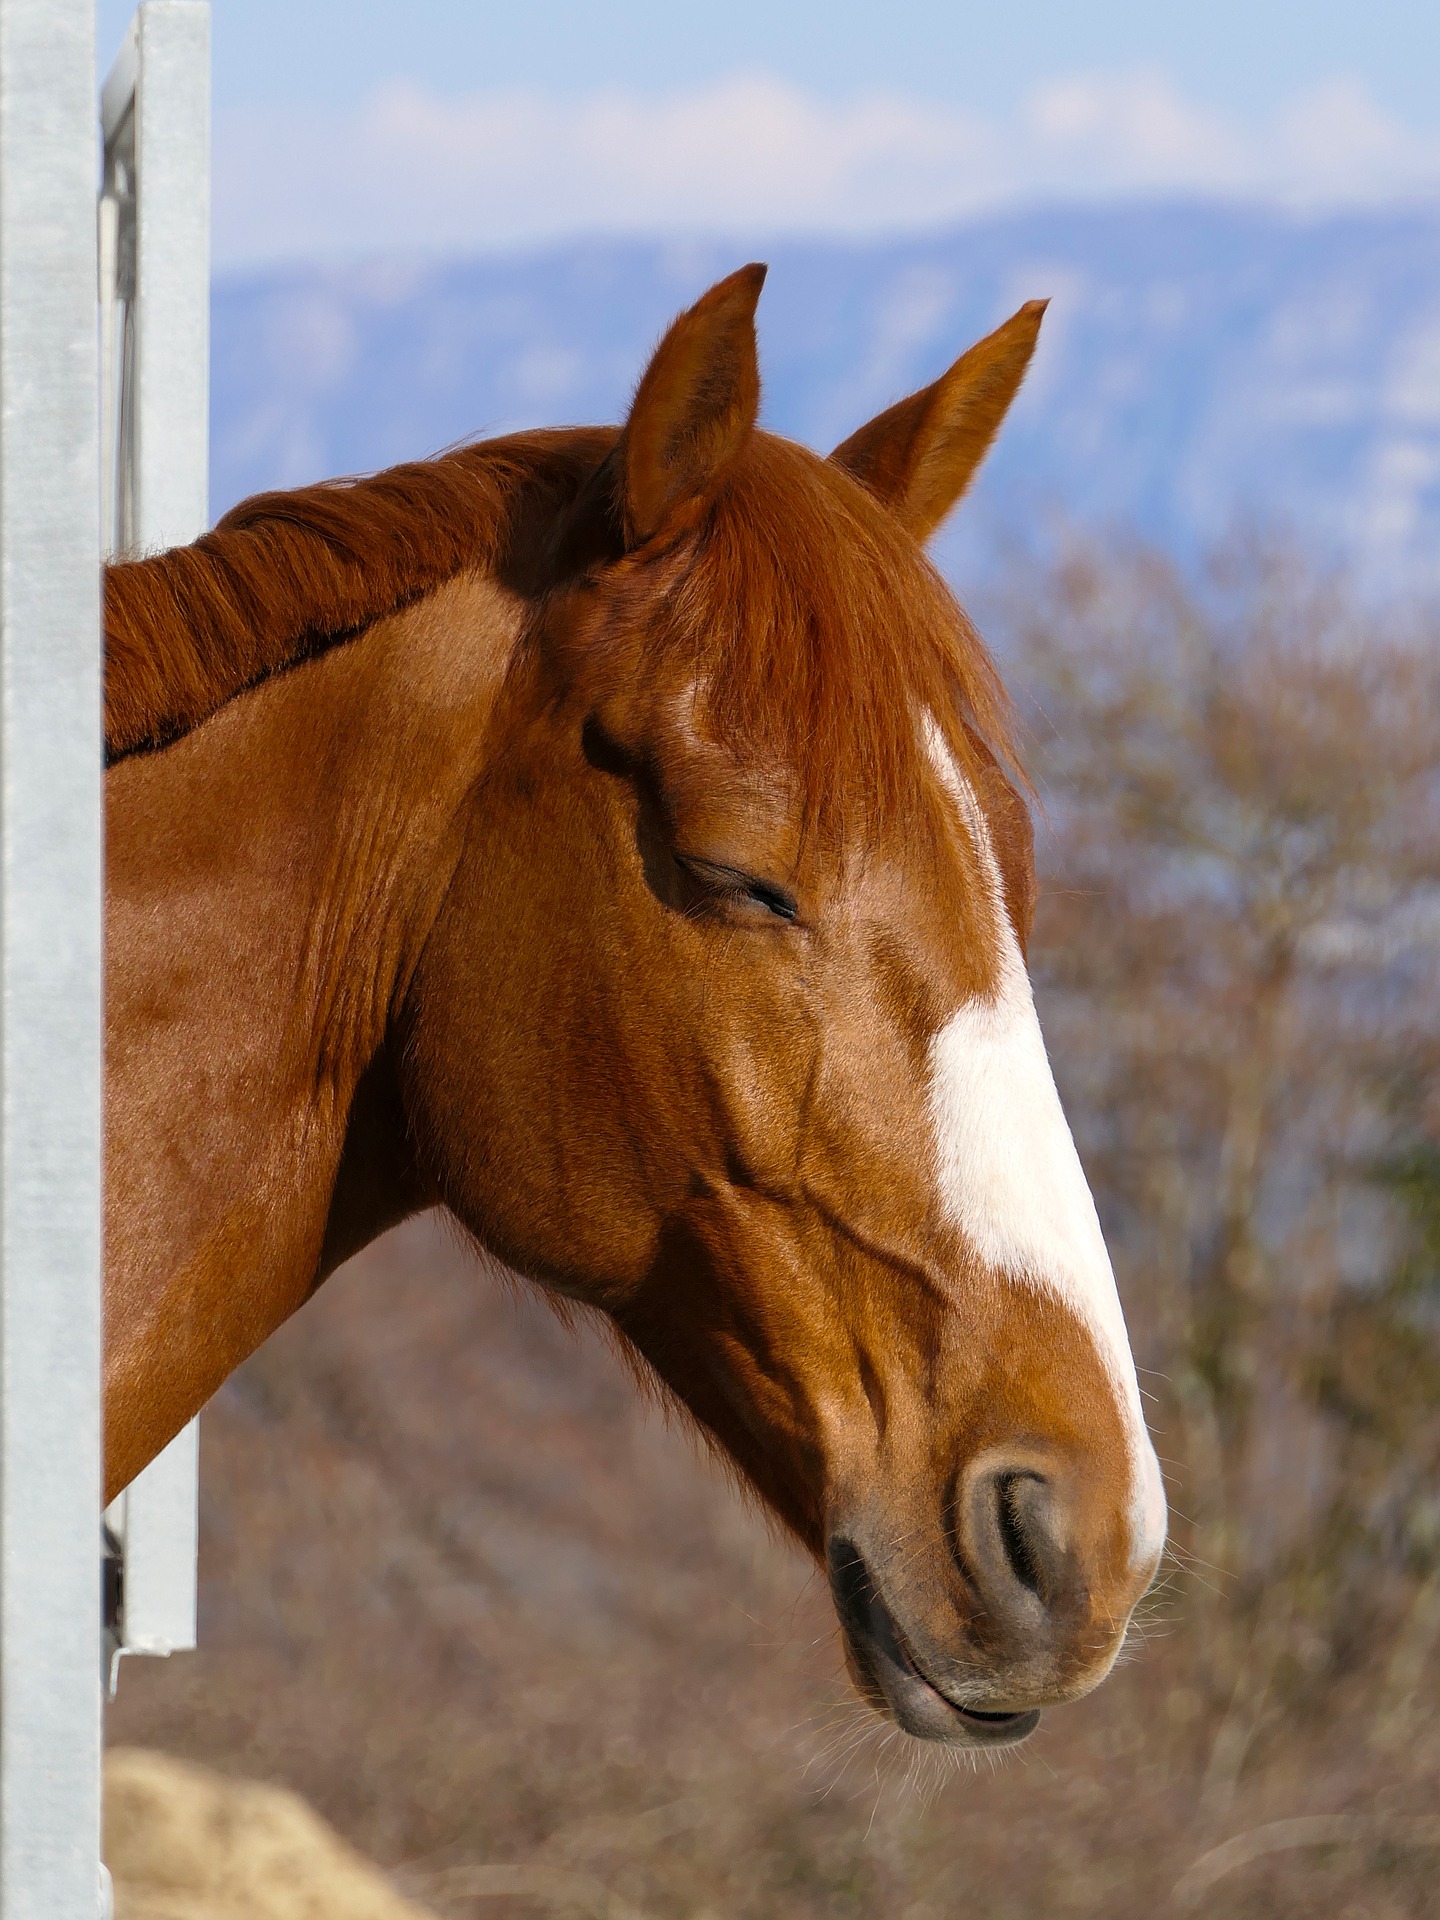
{"points": [[724, 1028]]}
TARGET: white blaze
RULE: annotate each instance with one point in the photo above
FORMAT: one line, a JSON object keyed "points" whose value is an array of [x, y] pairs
{"points": [[1010, 1177]]}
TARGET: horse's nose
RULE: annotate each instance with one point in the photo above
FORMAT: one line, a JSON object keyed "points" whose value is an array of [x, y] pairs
{"points": [[1014, 1535]]}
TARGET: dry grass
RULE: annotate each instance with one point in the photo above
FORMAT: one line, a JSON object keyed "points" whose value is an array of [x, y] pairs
{"points": [[183, 1843]]}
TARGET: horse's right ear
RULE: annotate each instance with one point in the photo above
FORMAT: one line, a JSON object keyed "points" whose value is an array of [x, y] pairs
{"points": [[694, 409], [920, 455]]}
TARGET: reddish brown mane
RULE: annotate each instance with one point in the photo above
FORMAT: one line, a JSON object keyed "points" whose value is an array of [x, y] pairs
{"points": [[286, 575], [821, 636], [817, 628]]}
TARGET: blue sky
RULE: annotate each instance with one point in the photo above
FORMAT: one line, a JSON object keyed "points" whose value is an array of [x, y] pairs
{"points": [[354, 125], [1244, 55]]}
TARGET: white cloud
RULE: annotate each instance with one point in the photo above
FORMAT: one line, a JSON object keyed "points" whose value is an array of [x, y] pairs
{"points": [[408, 169], [1127, 131], [1334, 143]]}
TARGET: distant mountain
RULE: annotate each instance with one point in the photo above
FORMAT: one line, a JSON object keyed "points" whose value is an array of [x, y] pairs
{"points": [[1200, 366]]}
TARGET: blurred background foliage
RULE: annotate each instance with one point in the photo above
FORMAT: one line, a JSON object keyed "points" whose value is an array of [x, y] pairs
{"points": [[482, 1607]]}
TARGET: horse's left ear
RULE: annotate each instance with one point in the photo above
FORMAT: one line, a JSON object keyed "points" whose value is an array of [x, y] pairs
{"points": [[694, 409], [921, 454]]}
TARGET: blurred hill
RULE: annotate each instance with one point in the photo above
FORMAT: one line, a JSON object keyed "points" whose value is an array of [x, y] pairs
{"points": [[1201, 367]]}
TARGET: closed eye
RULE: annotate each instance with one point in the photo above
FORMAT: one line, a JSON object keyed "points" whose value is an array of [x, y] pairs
{"points": [[730, 886]]}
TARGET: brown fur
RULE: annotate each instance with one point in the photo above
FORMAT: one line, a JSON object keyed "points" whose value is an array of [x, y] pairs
{"points": [[285, 576], [599, 890], [909, 455]]}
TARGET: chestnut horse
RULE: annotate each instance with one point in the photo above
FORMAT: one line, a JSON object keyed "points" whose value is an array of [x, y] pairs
{"points": [[613, 837]]}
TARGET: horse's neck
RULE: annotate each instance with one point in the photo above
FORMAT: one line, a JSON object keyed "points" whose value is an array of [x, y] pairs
{"points": [[271, 878]]}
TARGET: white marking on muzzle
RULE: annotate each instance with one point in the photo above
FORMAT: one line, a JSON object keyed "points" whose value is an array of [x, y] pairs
{"points": [[1010, 1176]]}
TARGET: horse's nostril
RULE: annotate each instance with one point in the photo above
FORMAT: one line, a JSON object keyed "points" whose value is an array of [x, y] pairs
{"points": [[1011, 1537], [1016, 1516]]}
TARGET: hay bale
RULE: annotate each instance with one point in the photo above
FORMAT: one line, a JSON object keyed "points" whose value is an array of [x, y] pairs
{"points": [[183, 1843]]}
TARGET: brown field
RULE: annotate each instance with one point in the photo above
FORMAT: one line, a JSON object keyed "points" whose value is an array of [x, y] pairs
{"points": [[472, 1596]]}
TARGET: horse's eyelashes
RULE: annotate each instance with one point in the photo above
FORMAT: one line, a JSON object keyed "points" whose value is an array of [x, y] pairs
{"points": [[780, 903], [729, 885]]}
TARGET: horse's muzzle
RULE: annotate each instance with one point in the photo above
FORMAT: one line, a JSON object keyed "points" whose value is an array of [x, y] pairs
{"points": [[892, 1679]]}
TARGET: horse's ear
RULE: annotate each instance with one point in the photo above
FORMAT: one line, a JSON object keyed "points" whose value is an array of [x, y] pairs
{"points": [[694, 409], [921, 454]]}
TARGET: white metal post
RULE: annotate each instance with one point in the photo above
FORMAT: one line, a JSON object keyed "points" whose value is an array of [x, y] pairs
{"points": [[50, 920], [155, 310]]}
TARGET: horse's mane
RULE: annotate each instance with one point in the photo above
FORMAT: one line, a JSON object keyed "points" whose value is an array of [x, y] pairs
{"points": [[823, 639], [820, 636], [286, 575]]}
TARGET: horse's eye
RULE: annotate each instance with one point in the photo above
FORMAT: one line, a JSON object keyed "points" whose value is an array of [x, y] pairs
{"points": [[780, 903], [728, 885]]}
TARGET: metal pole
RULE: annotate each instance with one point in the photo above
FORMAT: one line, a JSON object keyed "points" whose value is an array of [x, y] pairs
{"points": [[50, 919], [155, 308], [172, 273]]}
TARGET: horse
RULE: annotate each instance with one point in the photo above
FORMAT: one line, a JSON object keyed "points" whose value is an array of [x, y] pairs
{"points": [[616, 837]]}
